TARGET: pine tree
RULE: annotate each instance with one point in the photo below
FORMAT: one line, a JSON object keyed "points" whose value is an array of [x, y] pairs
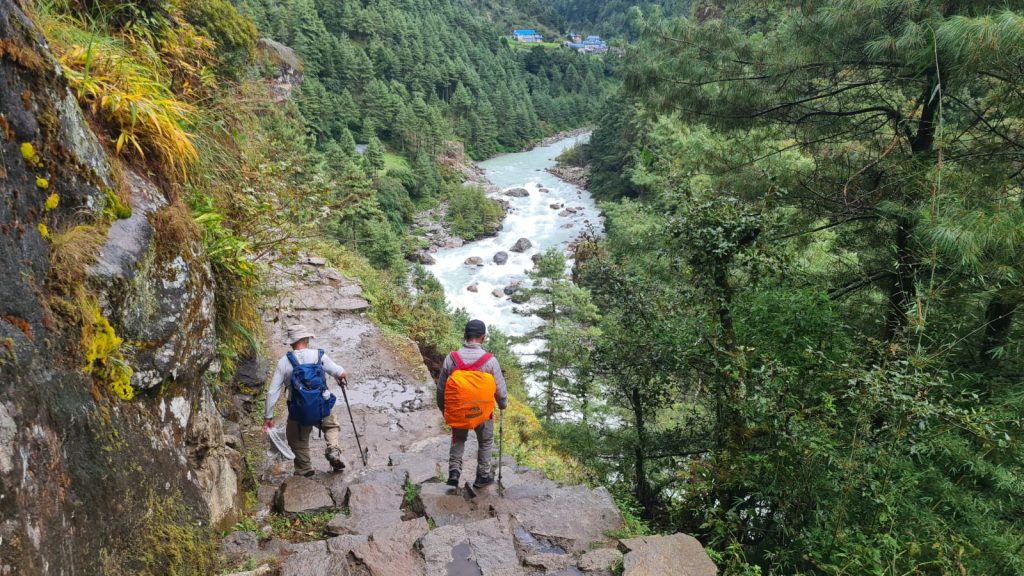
{"points": [[374, 156]]}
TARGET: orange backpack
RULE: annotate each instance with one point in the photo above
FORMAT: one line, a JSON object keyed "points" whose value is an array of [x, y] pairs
{"points": [[469, 394]]}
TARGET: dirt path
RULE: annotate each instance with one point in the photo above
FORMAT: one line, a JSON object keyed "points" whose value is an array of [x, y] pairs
{"points": [[395, 516]]}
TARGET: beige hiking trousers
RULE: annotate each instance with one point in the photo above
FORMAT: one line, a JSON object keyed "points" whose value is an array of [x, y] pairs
{"points": [[298, 440]]}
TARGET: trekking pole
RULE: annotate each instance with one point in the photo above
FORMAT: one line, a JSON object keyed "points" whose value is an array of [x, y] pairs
{"points": [[501, 438], [362, 455]]}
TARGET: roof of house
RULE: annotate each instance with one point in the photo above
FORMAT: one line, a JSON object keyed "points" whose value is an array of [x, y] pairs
{"points": [[524, 32]]}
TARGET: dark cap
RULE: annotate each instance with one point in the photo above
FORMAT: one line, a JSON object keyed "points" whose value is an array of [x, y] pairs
{"points": [[474, 329]]}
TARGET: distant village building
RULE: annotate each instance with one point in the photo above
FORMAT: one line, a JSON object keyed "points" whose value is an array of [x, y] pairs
{"points": [[527, 35], [590, 45]]}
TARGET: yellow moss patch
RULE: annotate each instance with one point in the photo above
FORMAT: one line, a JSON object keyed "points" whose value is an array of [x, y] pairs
{"points": [[115, 208], [43, 230], [28, 152], [103, 358], [43, 184]]}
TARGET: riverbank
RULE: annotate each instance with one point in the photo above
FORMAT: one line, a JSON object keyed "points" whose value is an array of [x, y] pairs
{"points": [[547, 212], [432, 227]]}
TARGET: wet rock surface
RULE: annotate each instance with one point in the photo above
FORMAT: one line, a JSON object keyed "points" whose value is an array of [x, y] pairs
{"points": [[396, 516], [521, 245]]}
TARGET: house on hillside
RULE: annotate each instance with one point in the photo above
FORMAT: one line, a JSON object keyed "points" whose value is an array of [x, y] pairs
{"points": [[590, 45], [527, 35]]}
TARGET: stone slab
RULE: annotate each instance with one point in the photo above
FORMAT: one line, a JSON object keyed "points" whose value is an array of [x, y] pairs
{"points": [[678, 554], [299, 495], [599, 561], [391, 552]]}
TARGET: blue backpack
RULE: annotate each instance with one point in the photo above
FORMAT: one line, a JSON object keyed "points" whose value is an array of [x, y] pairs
{"points": [[307, 404]]}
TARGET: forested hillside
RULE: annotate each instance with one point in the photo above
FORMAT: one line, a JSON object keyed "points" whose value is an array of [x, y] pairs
{"points": [[614, 18], [416, 73], [810, 289]]}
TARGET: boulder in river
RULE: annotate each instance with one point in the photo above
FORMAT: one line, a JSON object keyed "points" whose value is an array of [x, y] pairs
{"points": [[544, 190], [556, 206], [522, 245], [501, 257], [474, 261], [536, 258], [455, 242], [512, 288], [566, 212], [517, 192], [423, 257], [498, 293], [474, 287]]}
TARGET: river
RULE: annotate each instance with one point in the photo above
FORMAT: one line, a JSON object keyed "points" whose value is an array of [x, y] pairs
{"points": [[530, 217]]}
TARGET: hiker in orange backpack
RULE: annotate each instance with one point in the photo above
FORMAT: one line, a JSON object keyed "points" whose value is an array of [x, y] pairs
{"points": [[467, 388]]}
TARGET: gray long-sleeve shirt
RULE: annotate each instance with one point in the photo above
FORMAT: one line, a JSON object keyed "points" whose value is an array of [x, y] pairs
{"points": [[470, 353], [283, 374]]}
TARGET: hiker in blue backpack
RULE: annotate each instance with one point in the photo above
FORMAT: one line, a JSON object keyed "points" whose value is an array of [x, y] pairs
{"points": [[309, 400]]}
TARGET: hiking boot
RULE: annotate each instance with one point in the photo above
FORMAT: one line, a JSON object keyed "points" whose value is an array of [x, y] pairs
{"points": [[453, 477], [306, 474], [334, 458], [482, 481]]}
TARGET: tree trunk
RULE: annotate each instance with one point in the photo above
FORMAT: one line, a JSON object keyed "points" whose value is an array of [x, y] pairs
{"points": [[642, 489], [902, 290], [998, 321], [549, 405]]}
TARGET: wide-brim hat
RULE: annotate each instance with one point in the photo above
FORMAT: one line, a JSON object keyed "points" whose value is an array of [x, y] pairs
{"points": [[297, 332]]}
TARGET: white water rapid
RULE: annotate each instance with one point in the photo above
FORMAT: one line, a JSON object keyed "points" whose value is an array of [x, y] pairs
{"points": [[530, 217]]}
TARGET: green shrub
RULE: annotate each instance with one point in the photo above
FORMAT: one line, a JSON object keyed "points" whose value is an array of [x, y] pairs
{"points": [[471, 214]]}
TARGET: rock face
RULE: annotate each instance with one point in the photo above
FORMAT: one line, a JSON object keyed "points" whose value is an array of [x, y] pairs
{"points": [[676, 554], [289, 68], [521, 245], [501, 258], [80, 469]]}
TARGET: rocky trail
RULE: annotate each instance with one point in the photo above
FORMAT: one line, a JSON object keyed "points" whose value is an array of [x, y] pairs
{"points": [[396, 516]]}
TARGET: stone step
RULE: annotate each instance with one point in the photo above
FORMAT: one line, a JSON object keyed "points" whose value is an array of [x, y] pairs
{"points": [[299, 495]]}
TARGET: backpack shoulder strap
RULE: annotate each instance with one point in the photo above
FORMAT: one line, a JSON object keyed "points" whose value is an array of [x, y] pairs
{"points": [[483, 360], [291, 358], [320, 356], [459, 365]]}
